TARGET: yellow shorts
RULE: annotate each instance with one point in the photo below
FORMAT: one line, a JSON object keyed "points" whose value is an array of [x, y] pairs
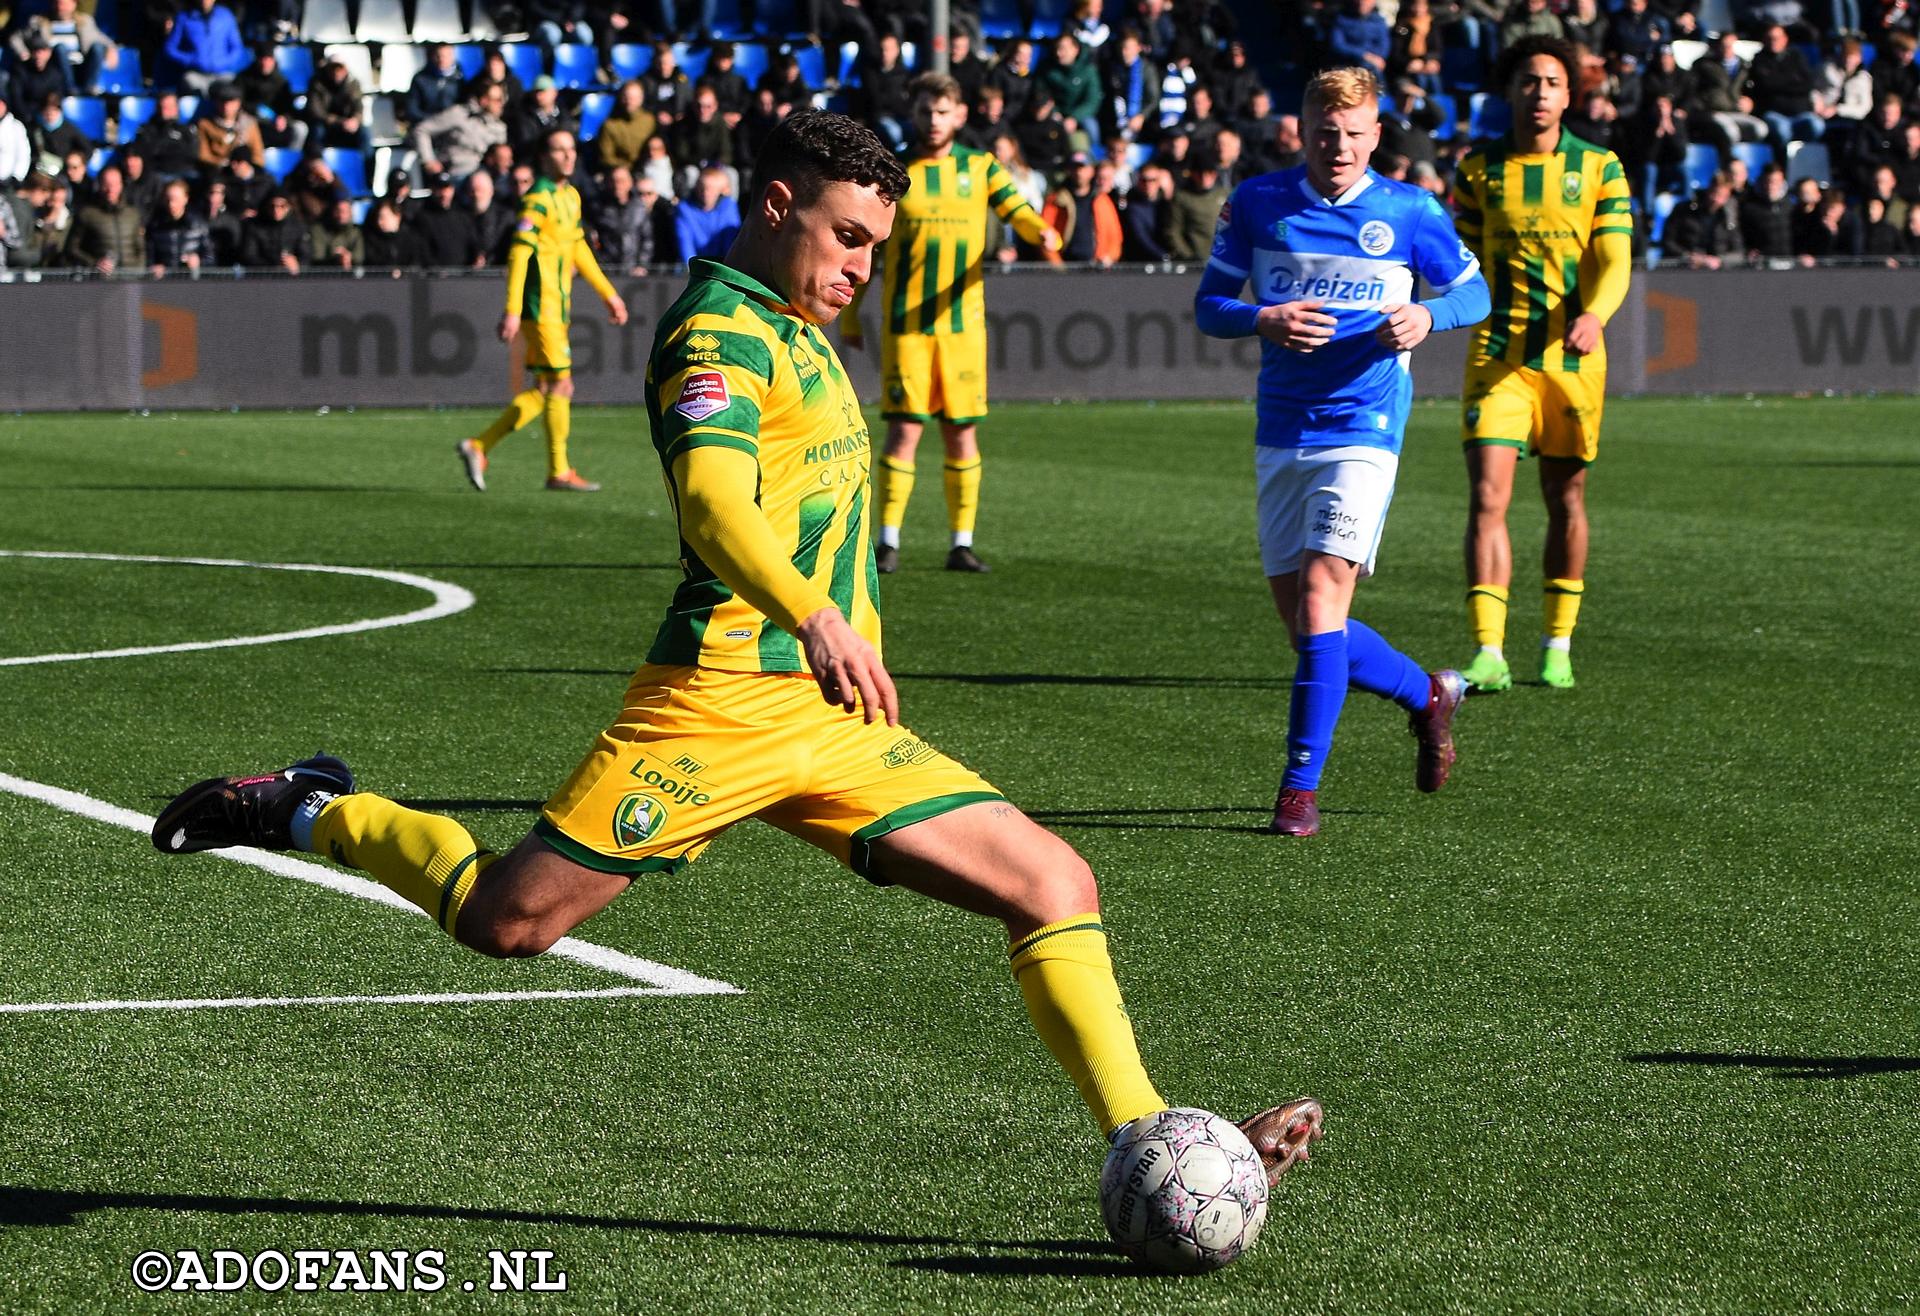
{"points": [[1553, 413], [547, 347], [696, 750], [929, 376]]}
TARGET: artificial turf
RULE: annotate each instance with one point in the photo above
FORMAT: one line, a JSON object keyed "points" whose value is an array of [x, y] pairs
{"points": [[1621, 1020]]}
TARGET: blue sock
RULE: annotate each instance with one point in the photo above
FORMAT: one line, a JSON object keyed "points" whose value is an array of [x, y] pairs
{"points": [[1319, 690], [1378, 668]]}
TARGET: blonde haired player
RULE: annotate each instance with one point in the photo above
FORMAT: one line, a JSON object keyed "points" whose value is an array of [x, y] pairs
{"points": [[549, 246], [764, 695], [933, 354], [1548, 215]]}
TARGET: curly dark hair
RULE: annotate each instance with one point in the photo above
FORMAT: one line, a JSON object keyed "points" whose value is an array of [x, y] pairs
{"points": [[812, 148], [1515, 57]]}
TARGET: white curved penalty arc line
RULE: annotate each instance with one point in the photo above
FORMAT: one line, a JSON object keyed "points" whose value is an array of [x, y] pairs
{"points": [[447, 600]]}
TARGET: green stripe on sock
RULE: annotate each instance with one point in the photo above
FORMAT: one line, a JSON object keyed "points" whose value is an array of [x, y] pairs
{"points": [[446, 891], [1023, 947]]}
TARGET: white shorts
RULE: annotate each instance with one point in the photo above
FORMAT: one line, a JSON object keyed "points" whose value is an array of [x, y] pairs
{"points": [[1324, 500]]}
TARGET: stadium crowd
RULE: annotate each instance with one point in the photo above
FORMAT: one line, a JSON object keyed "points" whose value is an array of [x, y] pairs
{"points": [[150, 137]]}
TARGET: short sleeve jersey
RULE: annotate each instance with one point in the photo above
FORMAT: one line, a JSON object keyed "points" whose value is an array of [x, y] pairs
{"points": [[733, 366], [933, 260], [1354, 253], [1532, 219], [549, 224]]}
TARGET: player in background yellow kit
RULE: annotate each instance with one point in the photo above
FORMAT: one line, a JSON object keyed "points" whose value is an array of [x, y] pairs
{"points": [[764, 695], [933, 321], [549, 245], [1548, 216]]}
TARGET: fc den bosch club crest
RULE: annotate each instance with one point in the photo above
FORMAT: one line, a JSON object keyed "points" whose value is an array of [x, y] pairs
{"points": [[1570, 187]]}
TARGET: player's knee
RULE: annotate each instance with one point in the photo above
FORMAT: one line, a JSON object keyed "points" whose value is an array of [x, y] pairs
{"points": [[1059, 884], [562, 388], [1490, 497], [508, 938]]}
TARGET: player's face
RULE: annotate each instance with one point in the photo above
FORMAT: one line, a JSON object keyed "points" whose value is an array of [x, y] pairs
{"points": [[938, 119], [561, 155], [823, 250], [1539, 94], [1339, 143]]}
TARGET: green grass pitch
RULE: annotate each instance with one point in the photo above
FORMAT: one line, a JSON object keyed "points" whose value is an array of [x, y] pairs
{"points": [[1622, 1020]]}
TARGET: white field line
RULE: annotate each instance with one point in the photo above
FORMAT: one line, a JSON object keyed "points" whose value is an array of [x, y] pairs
{"points": [[447, 600], [410, 998], [660, 979]]}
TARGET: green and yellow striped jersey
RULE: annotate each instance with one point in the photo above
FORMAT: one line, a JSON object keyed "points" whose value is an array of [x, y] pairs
{"points": [[549, 243], [933, 259], [733, 366], [1532, 220]]}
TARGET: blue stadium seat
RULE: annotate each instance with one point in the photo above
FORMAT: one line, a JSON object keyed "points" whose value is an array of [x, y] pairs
{"points": [[296, 66], [576, 68], [1664, 204], [134, 111], [125, 79], [813, 64], [728, 25], [280, 161], [1702, 162], [99, 160], [1462, 68], [523, 57], [1809, 160], [849, 74], [1449, 117], [595, 106], [350, 167], [630, 60], [1000, 19], [750, 60], [88, 114], [693, 62], [1138, 153], [1758, 156], [1489, 116], [189, 108], [471, 58]]}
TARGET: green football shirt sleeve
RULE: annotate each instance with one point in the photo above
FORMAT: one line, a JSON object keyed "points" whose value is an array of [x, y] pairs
{"points": [[712, 377]]}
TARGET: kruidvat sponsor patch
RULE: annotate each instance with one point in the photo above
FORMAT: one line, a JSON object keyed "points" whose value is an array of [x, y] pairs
{"points": [[702, 395]]}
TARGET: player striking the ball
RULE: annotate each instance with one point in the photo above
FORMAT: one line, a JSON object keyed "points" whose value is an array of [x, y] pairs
{"points": [[764, 695], [933, 353], [548, 246], [1548, 215], [1331, 250]]}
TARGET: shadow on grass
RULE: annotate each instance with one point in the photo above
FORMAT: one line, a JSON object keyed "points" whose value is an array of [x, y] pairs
{"points": [[1788, 1066], [1065, 1266], [238, 488], [56, 1207], [540, 566]]}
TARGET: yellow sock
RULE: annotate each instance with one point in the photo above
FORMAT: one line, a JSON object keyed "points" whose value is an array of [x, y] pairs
{"points": [[1487, 615], [896, 486], [524, 407], [963, 495], [1563, 607], [432, 861], [1067, 980], [559, 426]]}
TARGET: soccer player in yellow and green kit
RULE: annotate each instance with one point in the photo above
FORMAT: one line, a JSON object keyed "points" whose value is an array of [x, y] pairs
{"points": [[933, 356], [549, 245], [1548, 216], [764, 695]]}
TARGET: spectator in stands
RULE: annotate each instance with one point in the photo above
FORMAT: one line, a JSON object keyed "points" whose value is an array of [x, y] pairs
{"points": [[494, 70], [1655, 146], [539, 114], [883, 101], [1013, 75], [492, 222], [498, 164], [46, 246], [1132, 85], [275, 239], [965, 66], [1664, 77], [657, 165], [172, 148], [223, 226], [334, 240], [142, 188], [1085, 24], [557, 22], [42, 73], [455, 140], [1894, 187], [1086, 219], [1074, 84], [1113, 172], [77, 43], [788, 82], [448, 236], [623, 137], [1781, 87], [78, 180], [1042, 134], [108, 234], [1718, 107], [1032, 186], [1415, 56], [1201, 122], [1766, 218], [247, 184], [336, 107], [700, 139], [434, 88], [1705, 232], [264, 89], [390, 245], [177, 239], [16, 147], [1594, 121], [205, 44], [277, 20], [1895, 74], [1910, 236], [988, 123], [1879, 239], [1225, 149], [224, 127], [1359, 35], [11, 236], [732, 89], [1196, 208], [764, 114], [669, 94], [1585, 24], [1149, 212], [1843, 95], [673, 27], [621, 223], [706, 222], [1829, 232], [54, 134], [1635, 30], [1234, 79], [1153, 19], [313, 187]]}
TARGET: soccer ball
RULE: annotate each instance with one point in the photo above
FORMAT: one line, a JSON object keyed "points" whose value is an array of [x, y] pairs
{"points": [[1183, 1191]]}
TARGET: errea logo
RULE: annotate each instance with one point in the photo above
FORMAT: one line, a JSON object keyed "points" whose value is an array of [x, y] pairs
{"points": [[703, 342]]}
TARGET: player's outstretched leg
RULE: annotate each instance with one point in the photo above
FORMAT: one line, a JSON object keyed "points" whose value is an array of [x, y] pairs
{"points": [[893, 477], [1488, 673], [1284, 1135], [1430, 698], [473, 452], [473, 459], [1563, 484], [561, 477], [227, 811]]}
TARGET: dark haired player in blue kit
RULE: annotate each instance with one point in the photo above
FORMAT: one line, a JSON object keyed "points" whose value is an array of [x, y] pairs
{"points": [[1331, 250]]}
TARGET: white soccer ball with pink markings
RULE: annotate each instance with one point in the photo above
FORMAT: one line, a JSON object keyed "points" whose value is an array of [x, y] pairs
{"points": [[1183, 1191]]}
